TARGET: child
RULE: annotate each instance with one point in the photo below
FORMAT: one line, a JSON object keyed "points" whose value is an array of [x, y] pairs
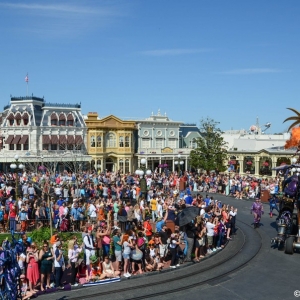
{"points": [[24, 286]]}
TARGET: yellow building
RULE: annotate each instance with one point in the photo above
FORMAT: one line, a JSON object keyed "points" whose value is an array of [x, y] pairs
{"points": [[110, 143]]}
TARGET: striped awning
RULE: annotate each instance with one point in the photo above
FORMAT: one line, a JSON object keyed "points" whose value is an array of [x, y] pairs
{"points": [[62, 117], [24, 140], [16, 139], [71, 140], [62, 139], [46, 139], [9, 139], [78, 140], [54, 140]]}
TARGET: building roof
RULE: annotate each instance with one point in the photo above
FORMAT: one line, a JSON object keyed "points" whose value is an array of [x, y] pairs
{"points": [[186, 129]]}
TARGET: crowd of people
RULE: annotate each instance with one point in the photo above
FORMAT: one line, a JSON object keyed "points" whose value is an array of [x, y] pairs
{"points": [[124, 231]]}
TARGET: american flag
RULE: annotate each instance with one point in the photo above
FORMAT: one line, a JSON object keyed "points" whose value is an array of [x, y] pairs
{"points": [[26, 78]]}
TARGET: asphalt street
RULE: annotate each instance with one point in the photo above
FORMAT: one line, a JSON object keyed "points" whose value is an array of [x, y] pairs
{"points": [[271, 274]]}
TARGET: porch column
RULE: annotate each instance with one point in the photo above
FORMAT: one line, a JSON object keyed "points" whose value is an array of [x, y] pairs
{"points": [[274, 164], [256, 159]]}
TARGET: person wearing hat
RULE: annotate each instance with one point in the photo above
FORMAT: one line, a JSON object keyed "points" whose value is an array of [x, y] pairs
{"points": [[95, 269], [59, 265], [23, 217], [257, 210]]}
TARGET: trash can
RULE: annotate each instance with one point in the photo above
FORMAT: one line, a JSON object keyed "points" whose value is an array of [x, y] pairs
{"points": [[265, 196]]}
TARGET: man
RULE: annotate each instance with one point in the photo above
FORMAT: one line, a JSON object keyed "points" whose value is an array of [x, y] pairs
{"points": [[92, 213], [163, 246], [207, 201], [88, 241], [190, 238], [31, 191], [75, 215], [159, 209], [60, 201], [23, 217], [153, 203]]}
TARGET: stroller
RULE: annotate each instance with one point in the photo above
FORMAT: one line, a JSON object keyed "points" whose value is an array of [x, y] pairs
{"points": [[64, 225]]}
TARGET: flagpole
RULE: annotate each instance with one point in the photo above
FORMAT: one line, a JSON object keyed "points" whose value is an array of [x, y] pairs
{"points": [[26, 80]]}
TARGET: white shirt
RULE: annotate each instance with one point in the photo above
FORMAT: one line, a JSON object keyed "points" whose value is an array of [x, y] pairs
{"points": [[210, 229], [92, 211], [159, 210]]}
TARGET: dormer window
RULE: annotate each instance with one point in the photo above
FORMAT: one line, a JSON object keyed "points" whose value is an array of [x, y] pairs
{"points": [[54, 119], [11, 119], [18, 119], [70, 120], [25, 119], [62, 120]]}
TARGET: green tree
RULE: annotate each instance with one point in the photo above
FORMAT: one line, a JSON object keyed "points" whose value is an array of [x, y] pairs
{"points": [[211, 151]]}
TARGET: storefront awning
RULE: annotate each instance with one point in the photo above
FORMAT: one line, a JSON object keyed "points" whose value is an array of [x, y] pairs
{"points": [[54, 140], [9, 139], [46, 139], [78, 140], [71, 140], [24, 140], [62, 139], [16, 139]]}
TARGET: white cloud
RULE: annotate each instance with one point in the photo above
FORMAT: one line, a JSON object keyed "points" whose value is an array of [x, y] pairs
{"points": [[250, 71], [170, 52], [55, 20]]}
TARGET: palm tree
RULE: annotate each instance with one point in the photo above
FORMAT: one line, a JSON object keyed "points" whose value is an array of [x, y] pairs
{"points": [[294, 118]]}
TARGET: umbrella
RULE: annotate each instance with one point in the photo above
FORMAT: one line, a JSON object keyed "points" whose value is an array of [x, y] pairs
{"points": [[187, 215]]}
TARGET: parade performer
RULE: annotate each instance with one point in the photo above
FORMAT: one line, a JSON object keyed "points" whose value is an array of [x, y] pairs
{"points": [[273, 205], [257, 209]]}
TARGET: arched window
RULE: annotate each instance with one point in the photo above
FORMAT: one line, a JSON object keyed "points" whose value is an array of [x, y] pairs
{"points": [[54, 119], [62, 120], [127, 166], [70, 120], [18, 119], [127, 141], [98, 167], [99, 141], [121, 141], [93, 142], [11, 119], [110, 140], [25, 118], [121, 166]]}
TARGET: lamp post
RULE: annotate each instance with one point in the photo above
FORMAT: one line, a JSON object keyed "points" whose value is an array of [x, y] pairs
{"points": [[179, 162], [16, 167], [141, 172]]}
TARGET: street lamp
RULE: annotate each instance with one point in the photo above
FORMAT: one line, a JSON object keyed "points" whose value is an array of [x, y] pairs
{"points": [[179, 162], [141, 172], [16, 167]]}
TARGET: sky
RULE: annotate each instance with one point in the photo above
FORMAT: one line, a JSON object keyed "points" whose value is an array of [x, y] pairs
{"points": [[232, 61]]}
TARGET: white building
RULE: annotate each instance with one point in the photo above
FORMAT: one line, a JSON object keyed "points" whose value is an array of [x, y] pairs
{"points": [[158, 142], [41, 132]]}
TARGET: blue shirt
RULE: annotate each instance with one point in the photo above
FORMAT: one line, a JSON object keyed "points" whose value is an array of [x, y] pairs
{"points": [[189, 200], [207, 201], [60, 202], [159, 225]]}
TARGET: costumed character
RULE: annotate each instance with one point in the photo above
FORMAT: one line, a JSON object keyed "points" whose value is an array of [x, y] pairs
{"points": [[257, 210], [273, 205]]}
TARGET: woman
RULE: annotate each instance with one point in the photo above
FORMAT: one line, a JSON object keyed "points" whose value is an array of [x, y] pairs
{"points": [[152, 264], [136, 258], [200, 242], [122, 217], [73, 253], [46, 257], [33, 273], [137, 213], [100, 234], [221, 233], [127, 245], [108, 269], [173, 249]]}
